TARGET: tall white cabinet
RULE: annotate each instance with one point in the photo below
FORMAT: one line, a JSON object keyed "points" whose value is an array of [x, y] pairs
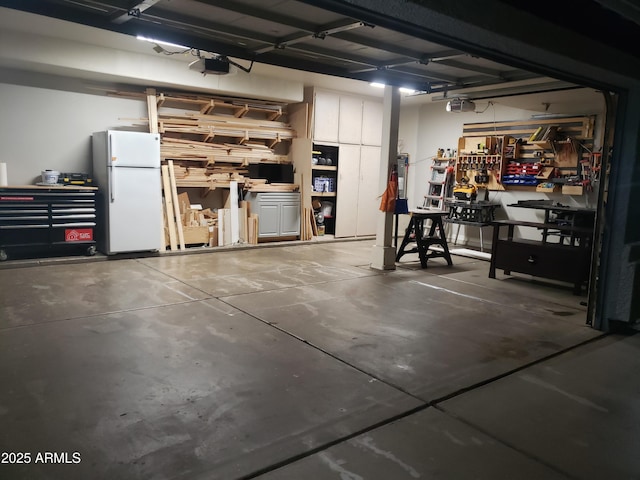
{"points": [[353, 124], [358, 196]]}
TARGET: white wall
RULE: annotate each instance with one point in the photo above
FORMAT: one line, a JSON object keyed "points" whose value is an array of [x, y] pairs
{"points": [[437, 128], [36, 52], [51, 129], [53, 84]]}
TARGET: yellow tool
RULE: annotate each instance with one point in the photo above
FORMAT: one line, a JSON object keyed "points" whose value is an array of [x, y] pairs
{"points": [[465, 190]]}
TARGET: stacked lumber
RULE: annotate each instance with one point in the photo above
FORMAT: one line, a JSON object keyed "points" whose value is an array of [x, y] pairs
{"points": [[214, 146], [237, 107], [253, 186], [209, 153], [193, 226], [221, 176], [252, 229], [210, 126], [187, 176]]}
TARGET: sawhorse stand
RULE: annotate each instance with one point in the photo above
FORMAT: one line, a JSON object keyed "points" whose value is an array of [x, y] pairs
{"points": [[436, 236]]}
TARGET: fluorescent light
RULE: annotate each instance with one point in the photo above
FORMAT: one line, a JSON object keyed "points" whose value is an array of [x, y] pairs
{"points": [[377, 84], [410, 91], [160, 42]]}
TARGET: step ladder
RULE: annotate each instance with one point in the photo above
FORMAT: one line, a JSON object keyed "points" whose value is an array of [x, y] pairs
{"points": [[439, 184]]}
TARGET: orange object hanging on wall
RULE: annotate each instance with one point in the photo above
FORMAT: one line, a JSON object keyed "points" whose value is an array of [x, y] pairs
{"points": [[388, 202]]}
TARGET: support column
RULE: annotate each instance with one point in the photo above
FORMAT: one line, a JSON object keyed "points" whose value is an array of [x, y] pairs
{"points": [[384, 253]]}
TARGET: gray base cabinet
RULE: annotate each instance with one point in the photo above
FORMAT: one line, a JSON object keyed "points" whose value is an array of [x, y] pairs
{"points": [[278, 214]]}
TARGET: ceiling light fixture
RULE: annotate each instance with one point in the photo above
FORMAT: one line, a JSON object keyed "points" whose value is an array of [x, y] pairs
{"points": [[377, 85], [161, 42], [408, 91]]}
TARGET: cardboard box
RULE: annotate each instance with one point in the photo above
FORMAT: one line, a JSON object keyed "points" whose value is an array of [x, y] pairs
{"points": [[572, 189], [547, 188], [192, 235]]}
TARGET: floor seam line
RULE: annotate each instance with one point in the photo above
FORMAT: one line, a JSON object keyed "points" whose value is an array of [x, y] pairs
{"points": [[508, 373], [174, 278], [525, 453], [325, 352], [327, 445]]}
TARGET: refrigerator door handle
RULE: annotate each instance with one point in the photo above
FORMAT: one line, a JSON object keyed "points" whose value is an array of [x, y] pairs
{"points": [[112, 184]]}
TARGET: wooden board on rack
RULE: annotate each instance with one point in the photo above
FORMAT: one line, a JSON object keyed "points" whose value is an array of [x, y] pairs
{"points": [[176, 204], [152, 109], [168, 204], [578, 127]]}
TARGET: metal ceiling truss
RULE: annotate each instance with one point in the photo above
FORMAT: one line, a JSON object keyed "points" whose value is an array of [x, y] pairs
{"points": [[147, 18], [320, 33]]}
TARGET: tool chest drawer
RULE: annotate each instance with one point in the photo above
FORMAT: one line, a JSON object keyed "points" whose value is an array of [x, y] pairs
{"points": [[556, 262], [38, 218]]}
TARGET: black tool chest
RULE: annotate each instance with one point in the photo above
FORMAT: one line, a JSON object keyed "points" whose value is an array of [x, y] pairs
{"points": [[38, 218]]}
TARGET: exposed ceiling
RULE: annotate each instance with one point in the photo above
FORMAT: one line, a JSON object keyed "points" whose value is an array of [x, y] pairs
{"points": [[291, 34], [301, 35]]}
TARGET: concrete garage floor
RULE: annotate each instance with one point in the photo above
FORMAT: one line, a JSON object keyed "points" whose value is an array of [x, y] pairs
{"points": [[300, 362]]}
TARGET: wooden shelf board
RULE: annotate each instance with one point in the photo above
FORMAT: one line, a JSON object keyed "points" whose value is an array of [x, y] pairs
{"points": [[332, 168], [323, 194]]}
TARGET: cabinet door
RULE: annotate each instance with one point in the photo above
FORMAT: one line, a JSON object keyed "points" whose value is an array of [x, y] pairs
{"points": [[347, 195], [371, 123], [326, 114], [268, 219], [368, 194], [350, 123], [290, 219]]}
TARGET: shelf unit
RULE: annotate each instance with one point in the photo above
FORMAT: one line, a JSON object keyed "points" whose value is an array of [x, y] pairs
{"points": [[485, 158], [565, 150], [352, 125], [324, 181]]}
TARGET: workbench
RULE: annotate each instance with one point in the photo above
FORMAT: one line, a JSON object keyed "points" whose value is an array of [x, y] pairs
{"points": [[435, 237], [34, 218], [557, 261], [557, 215], [474, 214]]}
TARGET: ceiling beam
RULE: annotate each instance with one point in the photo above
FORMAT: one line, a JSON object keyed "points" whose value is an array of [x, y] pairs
{"points": [[256, 12], [489, 72], [320, 32], [443, 57], [206, 26], [420, 56], [403, 68], [369, 65]]}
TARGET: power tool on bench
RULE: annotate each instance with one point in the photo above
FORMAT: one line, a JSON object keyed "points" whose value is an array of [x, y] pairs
{"points": [[465, 190]]}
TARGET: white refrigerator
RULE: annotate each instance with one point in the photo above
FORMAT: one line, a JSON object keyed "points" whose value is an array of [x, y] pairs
{"points": [[126, 169]]}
